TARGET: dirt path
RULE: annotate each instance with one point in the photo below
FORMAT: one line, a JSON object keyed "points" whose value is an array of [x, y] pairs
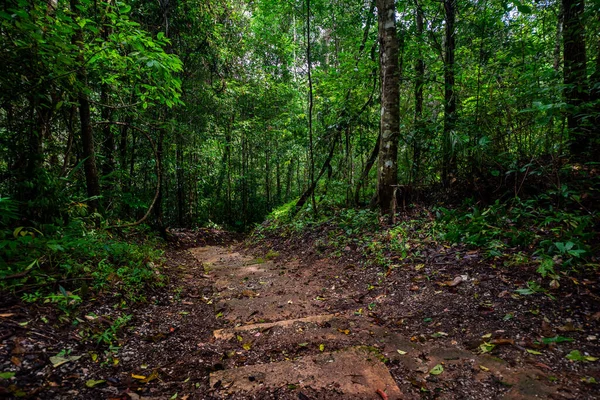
{"points": [[294, 330], [229, 325]]}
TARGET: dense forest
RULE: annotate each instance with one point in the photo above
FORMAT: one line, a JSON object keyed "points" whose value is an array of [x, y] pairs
{"points": [[381, 127], [217, 112]]}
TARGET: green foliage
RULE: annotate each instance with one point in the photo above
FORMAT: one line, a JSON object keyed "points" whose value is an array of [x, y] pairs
{"points": [[63, 263], [110, 334], [8, 211], [559, 237]]}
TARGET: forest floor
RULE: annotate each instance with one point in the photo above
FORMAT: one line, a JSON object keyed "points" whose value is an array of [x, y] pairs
{"points": [[239, 323]]}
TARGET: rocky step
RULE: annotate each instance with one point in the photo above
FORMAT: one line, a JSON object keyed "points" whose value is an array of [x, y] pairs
{"points": [[253, 329], [314, 334], [261, 309], [354, 373], [220, 257]]}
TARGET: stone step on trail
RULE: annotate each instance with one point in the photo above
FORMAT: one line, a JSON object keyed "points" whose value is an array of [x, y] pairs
{"points": [[354, 373], [270, 308], [219, 256], [226, 334]]}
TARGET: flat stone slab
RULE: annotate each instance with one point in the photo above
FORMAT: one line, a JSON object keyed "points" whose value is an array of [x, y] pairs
{"points": [[354, 373], [270, 308], [226, 334], [218, 255]]}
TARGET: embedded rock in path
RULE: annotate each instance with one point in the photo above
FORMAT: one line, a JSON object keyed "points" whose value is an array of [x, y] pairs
{"points": [[354, 373]]}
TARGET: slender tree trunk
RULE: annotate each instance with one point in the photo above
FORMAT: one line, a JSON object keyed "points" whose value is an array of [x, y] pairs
{"points": [[179, 166], [108, 166], [575, 75], [158, 208], [85, 118], [277, 175], [419, 84], [310, 192], [288, 183], [558, 37], [449, 152], [595, 99], [369, 164], [390, 105], [310, 112]]}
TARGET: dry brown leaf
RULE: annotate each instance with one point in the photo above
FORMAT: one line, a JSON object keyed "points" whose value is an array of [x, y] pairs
{"points": [[382, 394], [456, 281]]}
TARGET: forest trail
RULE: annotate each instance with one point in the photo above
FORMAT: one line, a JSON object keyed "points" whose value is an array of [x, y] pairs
{"points": [[294, 326]]}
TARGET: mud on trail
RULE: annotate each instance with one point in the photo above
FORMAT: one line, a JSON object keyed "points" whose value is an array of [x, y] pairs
{"points": [[296, 329], [237, 323]]}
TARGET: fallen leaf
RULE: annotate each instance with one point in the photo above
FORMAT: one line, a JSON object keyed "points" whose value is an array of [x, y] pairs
{"points": [[401, 352], [535, 352], [486, 347], [321, 347], [91, 383], [344, 331], [382, 394], [58, 361], [7, 315], [138, 377], [455, 282], [486, 336], [542, 365], [438, 369], [247, 346], [569, 327], [6, 375], [576, 355], [153, 376], [486, 369]]}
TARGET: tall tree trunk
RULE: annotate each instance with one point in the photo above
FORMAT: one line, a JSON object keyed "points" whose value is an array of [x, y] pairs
{"points": [[158, 208], [85, 118], [595, 99], [575, 76], [310, 113], [419, 84], [179, 161], [108, 137], [288, 183], [387, 174], [449, 152], [87, 140]]}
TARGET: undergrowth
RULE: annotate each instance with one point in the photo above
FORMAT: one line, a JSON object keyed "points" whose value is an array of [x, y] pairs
{"points": [[527, 232], [66, 264]]}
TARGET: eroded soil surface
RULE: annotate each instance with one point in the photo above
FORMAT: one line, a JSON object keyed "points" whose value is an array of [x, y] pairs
{"points": [[241, 323]]}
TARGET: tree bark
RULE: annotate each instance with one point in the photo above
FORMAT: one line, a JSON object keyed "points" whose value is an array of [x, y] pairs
{"points": [[419, 83], [387, 174], [87, 134], [575, 75], [363, 177], [310, 112], [449, 153]]}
